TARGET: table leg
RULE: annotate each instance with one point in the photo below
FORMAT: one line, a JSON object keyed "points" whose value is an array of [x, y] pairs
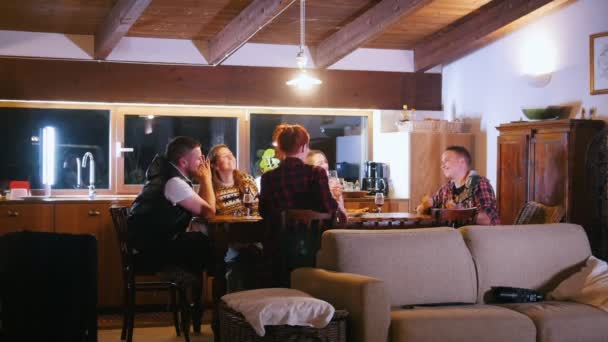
{"points": [[220, 247]]}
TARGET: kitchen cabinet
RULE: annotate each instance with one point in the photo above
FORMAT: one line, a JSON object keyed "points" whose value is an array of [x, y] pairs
{"points": [[25, 216], [544, 161], [76, 217], [94, 218]]}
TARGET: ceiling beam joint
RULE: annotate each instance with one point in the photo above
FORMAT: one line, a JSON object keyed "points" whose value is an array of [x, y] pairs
{"points": [[116, 25], [251, 20], [363, 29]]}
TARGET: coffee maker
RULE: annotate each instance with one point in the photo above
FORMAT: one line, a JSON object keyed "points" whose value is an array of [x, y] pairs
{"points": [[376, 178]]}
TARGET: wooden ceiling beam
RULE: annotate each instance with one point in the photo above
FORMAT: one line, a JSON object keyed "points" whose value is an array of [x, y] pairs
{"points": [[363, 29], [116, 25], [252, 19], [486, 24]]}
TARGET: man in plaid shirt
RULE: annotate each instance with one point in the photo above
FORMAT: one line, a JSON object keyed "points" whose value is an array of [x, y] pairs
{"points": [[465, 189]]}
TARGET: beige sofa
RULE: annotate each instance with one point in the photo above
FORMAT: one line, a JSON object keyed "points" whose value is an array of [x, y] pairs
{"points": [[379, 274]]}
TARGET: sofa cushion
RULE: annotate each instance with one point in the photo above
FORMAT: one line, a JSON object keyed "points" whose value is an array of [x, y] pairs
{"points": [[530, 256], [418, 266], [565, 321], [461, 323]]}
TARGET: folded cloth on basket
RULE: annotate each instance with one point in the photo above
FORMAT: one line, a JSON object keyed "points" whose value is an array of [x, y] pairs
{"points": [[279, 306]]}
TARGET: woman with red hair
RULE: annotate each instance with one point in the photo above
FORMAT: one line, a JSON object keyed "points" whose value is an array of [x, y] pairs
{"points": [[294, 184]]}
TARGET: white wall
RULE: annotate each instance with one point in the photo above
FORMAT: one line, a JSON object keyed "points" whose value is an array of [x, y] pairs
{"points": [[489, 88]]}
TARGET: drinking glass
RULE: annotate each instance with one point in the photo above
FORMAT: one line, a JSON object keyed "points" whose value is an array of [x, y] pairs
{"points": [[248, 203], [379, 200], [332, 178]]}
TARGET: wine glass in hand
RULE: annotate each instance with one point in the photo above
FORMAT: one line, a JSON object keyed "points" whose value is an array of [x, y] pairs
{"points": [[379, 200]]}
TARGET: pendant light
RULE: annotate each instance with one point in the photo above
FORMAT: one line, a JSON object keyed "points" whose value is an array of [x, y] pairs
{"points": [[303, 81]]}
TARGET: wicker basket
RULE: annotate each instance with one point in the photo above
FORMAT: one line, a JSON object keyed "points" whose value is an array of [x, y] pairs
{"points": [[234, 328]]}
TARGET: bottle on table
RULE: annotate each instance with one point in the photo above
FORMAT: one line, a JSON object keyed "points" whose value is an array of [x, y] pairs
{"points": [[248, 201]]}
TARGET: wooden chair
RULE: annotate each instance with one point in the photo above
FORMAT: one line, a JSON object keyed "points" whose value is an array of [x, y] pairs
{"points": [[538, 213], [299, 239], [176, 284], [454, 217]]}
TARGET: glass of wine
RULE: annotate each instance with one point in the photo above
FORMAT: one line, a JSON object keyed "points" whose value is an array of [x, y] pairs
{"points": [[332, 177], [379, 200], [248, 203]]}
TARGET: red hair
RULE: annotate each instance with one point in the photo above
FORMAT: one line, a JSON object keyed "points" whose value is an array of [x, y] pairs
{"points": [[289, 139]]}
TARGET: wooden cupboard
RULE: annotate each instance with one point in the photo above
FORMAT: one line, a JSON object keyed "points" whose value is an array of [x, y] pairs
{"points": [[544, 161]]}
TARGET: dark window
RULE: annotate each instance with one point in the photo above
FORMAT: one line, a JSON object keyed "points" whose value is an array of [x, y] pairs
{"points": [[149, 135], [343, 139], [77, 131]]}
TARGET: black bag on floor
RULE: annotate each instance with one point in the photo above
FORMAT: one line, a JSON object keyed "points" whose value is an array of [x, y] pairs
{"points": [[48, 287]]}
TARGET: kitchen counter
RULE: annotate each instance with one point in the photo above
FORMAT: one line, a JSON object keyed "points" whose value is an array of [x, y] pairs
{"points": [[69, 198]]}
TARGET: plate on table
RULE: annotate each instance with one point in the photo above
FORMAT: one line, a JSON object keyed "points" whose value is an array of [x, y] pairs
{"points": [[354, 194], [356, 212]]}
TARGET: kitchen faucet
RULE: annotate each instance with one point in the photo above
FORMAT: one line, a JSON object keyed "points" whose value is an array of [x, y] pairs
{"points": [[89, 156], [78, 178]]}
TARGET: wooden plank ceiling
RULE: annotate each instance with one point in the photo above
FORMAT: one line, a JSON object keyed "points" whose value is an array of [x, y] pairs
{"points": [[203, 20]]}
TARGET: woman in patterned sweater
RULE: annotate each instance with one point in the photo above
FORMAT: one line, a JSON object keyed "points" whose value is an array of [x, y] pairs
{"points": [[229, 185]]}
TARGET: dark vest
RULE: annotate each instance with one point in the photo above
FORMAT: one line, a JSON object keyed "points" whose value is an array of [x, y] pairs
{"points": [[153, 219]]}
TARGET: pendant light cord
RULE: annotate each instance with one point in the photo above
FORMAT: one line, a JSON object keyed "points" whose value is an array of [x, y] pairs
{"points": [[302, 24]]}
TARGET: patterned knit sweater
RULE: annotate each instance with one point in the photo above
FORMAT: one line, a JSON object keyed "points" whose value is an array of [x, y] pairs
{"points": [[229, 199]]}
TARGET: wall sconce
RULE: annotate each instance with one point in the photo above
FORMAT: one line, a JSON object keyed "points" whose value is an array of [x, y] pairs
{"points": [[538, 57], [539, 81]]}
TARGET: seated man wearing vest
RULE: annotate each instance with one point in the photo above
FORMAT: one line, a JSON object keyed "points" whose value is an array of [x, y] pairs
{"points": [[161, 213], [465, 188]]}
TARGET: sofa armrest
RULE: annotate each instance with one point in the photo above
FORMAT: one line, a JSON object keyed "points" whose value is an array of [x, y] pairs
{"points": [[364, 297]]}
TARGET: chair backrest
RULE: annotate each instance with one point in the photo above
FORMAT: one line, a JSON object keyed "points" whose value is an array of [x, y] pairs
{"points": [[299, 239], [538, 213], [454, 217], [119, 217], [311, 224]]}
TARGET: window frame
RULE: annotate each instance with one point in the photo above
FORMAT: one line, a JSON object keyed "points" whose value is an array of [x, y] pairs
{"points": [[214, 112], [241, 113]]}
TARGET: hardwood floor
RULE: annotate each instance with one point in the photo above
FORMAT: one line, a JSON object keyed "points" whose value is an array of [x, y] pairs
{"points": [[160, 334]]}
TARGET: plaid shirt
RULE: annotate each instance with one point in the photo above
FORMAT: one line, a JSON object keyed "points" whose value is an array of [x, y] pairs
{"points": [[477, 192], [295, 185]]}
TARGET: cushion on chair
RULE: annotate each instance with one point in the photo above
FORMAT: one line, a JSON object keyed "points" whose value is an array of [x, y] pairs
{"points": [[529, 256], [477, 323], [418, 266], [565, 321]]}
